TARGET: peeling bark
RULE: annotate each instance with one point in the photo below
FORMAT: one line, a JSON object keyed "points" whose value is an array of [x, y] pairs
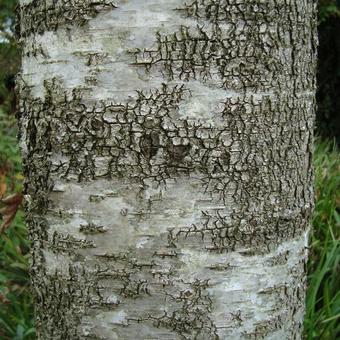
{"points": [[167, 153]]}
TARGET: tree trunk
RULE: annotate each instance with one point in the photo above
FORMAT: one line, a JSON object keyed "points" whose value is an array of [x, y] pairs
{"points": [[167, 153]]}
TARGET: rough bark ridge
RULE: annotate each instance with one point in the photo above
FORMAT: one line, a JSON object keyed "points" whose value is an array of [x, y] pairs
{"points": [[167, 150]]}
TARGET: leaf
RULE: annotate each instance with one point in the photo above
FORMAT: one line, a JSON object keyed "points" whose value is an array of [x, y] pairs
{"points": [[4, 300], [19, 177], [3, 185], [20, 332], [11, 205]]}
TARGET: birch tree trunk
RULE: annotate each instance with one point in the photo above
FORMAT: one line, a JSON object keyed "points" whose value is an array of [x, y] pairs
{"points": [[167, 153]]}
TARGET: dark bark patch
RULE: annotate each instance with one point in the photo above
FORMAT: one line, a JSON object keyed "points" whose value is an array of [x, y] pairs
{"points": [[149, 144]]}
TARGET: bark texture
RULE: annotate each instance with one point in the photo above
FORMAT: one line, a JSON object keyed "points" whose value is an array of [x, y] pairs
{"points": [[167, 149]]}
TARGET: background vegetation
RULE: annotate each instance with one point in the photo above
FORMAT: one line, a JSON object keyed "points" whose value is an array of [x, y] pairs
{"points": [[328, 95], [323, 296]]}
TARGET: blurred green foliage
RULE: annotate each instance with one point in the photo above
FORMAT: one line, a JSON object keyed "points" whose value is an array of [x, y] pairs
{"points": [[7, 8], [328, 9], [9, 55]]}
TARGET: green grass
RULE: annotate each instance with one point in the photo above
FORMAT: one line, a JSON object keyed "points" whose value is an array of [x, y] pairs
{"points": [[16, 311], [323, 296]]}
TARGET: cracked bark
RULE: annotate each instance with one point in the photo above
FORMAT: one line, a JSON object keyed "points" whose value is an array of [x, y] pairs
{"points": [[167, 154]]}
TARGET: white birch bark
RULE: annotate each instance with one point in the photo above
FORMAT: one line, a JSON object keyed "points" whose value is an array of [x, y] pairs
{"points": [[167, 153]]}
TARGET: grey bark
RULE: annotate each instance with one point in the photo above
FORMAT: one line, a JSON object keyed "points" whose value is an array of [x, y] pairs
{"points": [[167, 153]]}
